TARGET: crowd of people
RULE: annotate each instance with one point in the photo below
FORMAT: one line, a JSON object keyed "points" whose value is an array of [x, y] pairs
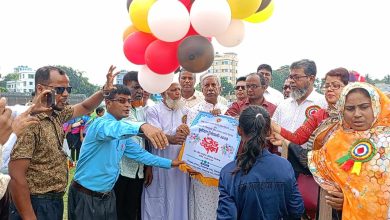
{"points": [[295, 144]]}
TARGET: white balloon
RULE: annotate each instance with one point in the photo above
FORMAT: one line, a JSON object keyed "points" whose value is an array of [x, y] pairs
{"points": [[153, 82], [210, 17], [169, 20], [234, 35]]}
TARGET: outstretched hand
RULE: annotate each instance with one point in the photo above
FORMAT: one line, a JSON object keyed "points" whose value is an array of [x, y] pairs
{"points": [[176, 163], [155, 135]]}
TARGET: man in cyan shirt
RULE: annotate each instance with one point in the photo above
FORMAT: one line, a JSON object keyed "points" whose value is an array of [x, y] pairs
{"points": [[91, 194]]}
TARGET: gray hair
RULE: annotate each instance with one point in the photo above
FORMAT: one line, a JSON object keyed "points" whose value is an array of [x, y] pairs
{"points": [[309, 67], [208, 75]]}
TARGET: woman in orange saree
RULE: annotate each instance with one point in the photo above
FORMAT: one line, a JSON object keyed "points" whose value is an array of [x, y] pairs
{"points": [[357, 155]]}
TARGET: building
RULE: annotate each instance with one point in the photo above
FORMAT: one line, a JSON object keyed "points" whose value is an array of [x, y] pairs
{"points": [[25, 82], [119, 77], [225, 65]]}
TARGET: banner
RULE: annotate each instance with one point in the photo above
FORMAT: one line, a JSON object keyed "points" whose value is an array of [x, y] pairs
{"points": [[212, 143]]}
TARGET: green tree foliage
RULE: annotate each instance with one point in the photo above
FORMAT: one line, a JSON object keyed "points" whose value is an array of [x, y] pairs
{"points": [[79, 83], [279, 76], [8, 77], [227, 87]]}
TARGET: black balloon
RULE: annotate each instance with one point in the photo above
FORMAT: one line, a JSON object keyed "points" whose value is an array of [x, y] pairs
{"points": [[128, 4], [195, 54], [264, 4]]}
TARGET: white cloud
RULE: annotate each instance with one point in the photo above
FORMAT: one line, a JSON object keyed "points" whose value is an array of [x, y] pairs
{"points": [[87, 35]]}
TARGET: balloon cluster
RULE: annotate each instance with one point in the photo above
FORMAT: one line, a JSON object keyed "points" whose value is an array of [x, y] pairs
{"points": [[166, 34]]}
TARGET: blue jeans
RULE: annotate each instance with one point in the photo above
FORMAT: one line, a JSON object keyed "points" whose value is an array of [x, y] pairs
{"points": [[45, 208]]}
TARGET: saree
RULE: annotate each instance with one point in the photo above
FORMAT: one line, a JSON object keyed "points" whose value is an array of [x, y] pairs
{"points": [[358, 161]]}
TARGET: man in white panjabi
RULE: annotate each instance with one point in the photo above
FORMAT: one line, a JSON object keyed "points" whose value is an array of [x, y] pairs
{"points": [[203, 200], [166, 198]]}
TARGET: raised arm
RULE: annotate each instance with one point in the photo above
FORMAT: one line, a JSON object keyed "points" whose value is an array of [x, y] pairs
{"points": [[94, 101]]}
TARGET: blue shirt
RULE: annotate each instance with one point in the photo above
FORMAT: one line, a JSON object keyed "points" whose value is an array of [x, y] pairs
{"points": [[268, 191], [104, 145]]}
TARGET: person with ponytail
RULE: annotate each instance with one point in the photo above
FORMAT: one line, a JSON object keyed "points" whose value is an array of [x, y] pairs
{"points": [[258, 184]]}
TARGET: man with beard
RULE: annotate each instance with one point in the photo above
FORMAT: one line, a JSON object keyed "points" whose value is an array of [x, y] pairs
{"points": [[203, 200], [166, 197], [304, 101], [128, 188], [190, 95]]}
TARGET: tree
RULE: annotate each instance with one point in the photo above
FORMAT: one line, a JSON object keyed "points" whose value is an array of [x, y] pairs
{"points": [[386, 79], [279, 76], [8, 77], [369, 79], [227, 87], [79, 83]]}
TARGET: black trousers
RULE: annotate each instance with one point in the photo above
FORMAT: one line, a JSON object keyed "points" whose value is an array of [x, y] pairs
{"points": [[4, 205], [128, 193], [86, 207]]}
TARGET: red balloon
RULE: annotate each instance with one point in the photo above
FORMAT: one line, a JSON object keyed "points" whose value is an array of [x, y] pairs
{"points": [[161, 57], [192, 31], [135, 46], [187, 3]]}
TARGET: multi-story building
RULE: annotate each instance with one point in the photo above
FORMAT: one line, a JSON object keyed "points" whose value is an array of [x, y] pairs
{"points": [[225, 65], [119, 77], [25, 82]]}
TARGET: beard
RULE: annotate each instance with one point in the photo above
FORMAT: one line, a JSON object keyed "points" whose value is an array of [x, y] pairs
{"points": [[174, 104], [298, 94]]}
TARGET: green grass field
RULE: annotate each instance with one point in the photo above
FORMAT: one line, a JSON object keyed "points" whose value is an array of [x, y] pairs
{"points": [[71, 174]]}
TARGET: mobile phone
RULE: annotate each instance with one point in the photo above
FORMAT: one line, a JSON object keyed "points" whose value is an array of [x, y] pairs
{"points": [[51, 98]]}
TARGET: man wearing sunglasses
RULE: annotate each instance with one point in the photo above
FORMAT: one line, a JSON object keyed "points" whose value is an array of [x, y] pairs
{"points": [[38, 166], [240, 89]]}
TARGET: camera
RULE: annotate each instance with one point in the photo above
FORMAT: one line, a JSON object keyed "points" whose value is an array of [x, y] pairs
{"points": [[51, 99]]}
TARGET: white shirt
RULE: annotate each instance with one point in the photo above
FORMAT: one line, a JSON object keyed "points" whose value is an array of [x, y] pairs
{"points": [[199, 97], [274, 96], [206, 107], [291, 116]]}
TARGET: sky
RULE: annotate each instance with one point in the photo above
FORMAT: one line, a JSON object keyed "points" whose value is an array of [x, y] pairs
{"points": [[87, 35]]}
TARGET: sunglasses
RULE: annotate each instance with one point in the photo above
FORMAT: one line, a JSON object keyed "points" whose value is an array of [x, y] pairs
{"points": [[122, 100], [240, 87], [60, 90]]}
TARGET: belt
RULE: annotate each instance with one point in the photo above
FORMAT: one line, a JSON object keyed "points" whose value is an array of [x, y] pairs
{"points": [[90, 192], [49, 195]]}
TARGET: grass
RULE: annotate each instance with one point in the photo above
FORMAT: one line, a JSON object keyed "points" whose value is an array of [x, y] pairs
{"points": [[71, 174]]}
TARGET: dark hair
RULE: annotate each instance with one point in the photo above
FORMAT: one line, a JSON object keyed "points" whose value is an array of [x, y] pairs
{"points": [[255, 122], [309, 67], [99, 110], [42, 75], [239, 79], [120, 90], [360, 90], [262, 79], [264, 66], [340, 72], [182, 70], [130, 76]]}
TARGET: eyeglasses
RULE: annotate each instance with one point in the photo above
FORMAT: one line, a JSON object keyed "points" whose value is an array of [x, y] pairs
{"points": [[286, 87], [240, 87], [296, 78], [252, 86], [122, 100], [60, 90], [334, 86]]}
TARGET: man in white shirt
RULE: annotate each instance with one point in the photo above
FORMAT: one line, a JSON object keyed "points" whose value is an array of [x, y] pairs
{"points": [[191, 96], [272, 95], [292, 112]]}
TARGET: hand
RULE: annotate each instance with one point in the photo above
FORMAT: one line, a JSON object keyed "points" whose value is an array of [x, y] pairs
{"points": [[148, 176], [5, 121], [275, 127], [176, 163], [23, 121], [183, 129], [335, 198], [179, 138], [155, 135], [277, 140], [110, 79], [216, 112], [40, 103]]}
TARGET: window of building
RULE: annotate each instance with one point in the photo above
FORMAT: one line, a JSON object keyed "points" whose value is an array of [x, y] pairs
{"points": [[30, 83], [31, 76]]}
